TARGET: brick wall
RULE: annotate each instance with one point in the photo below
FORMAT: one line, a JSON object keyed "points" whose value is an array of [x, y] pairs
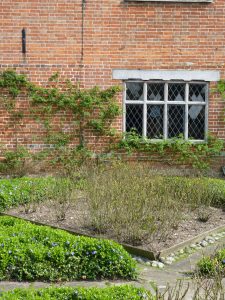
{"points": [[115, 34]]}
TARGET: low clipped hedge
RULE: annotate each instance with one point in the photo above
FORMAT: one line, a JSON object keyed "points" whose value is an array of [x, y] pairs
{"points": [[125, 292], [199, 190], [212, 265], [202, 190], [17, 191], [31, 252]]}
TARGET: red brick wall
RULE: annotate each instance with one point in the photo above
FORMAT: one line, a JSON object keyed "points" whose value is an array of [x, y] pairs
{"points": [[116, 34]]}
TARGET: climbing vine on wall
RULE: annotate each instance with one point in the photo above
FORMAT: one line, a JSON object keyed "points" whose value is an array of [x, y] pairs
{"points": [[198, 155], [173, 150], [92, 109], [84, 109], [11, 85], [221, 88]]}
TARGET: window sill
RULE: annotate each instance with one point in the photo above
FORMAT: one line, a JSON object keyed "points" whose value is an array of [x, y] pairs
{"points": [[171, 140]]}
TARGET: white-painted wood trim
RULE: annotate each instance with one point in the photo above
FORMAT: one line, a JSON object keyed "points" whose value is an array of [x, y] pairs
{"points": [[124, 107], [207, 113], [186, 75], [165, 104], [165, 118], [134, 101], [144, 124], [186, 112]]}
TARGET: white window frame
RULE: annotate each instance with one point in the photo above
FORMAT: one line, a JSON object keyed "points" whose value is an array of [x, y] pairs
{"points": [[165, 103]]}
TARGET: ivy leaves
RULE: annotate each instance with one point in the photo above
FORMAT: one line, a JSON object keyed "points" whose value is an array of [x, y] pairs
{"points": [[221, 88], [183, 152], [13, 82], [92, 108]]}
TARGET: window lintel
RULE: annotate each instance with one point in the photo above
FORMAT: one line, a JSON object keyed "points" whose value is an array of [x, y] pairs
{"points": [[167, 75]]}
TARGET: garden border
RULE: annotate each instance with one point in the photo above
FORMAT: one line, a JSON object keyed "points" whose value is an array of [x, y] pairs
{"points": [[131, 249], [193, 240]]}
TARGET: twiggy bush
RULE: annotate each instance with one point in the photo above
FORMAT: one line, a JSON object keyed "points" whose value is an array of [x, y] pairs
{"points": [[197, 191], [128, 203], [131, 203], [16, 163], [62, 196], [197, 289], [203, 213]]}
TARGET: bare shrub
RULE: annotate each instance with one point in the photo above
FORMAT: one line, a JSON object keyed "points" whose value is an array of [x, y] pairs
{"points": [[203, 213], [62, 196], [196, 289], [132, 204]]}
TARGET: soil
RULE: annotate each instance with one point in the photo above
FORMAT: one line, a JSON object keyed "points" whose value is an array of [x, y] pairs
{"points": [[76, 219]]}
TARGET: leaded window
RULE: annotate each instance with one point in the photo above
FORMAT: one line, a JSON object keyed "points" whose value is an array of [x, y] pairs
{"points": [[163, 110]]}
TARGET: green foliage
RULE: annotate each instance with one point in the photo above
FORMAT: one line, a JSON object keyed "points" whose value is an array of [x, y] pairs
{"points": [[94, 110], [63, 195], [14, 161], [197, 155], [59, 139], [13, 82], [21, 191], [197, 191], [11, 85], [125, 292], [90, 108], [209, 266], [221, 88], [31, 252], [70, 158]]}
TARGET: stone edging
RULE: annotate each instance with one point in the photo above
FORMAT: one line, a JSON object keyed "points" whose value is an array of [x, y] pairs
{"points": [[190, 241]]}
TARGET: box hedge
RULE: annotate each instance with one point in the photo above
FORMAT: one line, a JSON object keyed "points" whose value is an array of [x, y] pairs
{"points": [[31, 252], [17, 191], [125, 292]]}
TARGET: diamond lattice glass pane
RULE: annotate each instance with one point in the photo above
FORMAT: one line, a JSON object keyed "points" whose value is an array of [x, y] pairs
{"points": [[155, 92], [176, 91], [197, 92], [155, 121], [134, 91], [134, 117], [176, 120], [196, 122]]}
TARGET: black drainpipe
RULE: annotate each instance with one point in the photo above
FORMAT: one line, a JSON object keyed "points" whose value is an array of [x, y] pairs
{"points": [[82, 30]]}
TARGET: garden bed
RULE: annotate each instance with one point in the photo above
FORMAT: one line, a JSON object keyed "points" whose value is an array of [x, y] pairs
{"points": [[126, 203], [188, 228]]}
